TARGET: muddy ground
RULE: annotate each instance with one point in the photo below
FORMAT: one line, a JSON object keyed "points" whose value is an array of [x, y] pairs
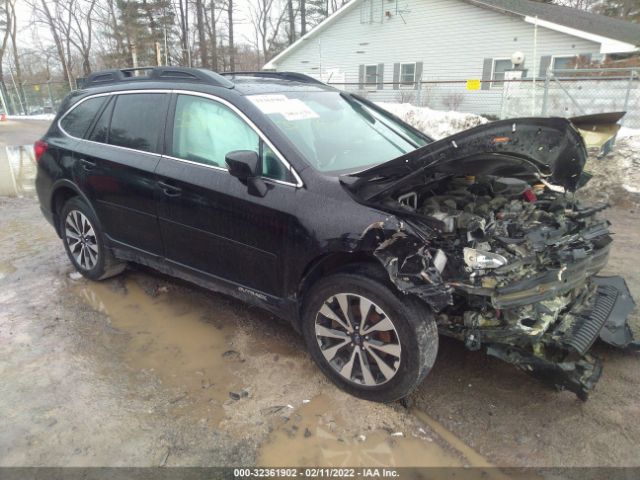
{"points": [[144, 370]]}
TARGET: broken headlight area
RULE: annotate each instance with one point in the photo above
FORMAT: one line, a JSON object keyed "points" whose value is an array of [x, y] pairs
{"points": [[511, 266]]}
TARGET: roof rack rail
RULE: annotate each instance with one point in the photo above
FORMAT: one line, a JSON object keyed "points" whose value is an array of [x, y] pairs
{"points": [[156, 74], [293, 76]]}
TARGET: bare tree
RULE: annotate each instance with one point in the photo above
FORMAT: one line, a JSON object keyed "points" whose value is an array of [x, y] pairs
{"points": [[4, 24], [45, 16], [79, 29], [267, 22]]}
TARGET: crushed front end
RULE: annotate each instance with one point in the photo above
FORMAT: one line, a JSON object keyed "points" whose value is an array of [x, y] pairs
{"points": [[506, 257], [522, 264]]}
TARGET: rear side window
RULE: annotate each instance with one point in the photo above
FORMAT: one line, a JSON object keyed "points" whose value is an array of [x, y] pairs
{"points": [[78, 120], [138, 120], [101, 128]]}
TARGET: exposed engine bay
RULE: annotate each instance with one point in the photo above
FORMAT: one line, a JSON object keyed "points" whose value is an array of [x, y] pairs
{"points": [[506, 257]]}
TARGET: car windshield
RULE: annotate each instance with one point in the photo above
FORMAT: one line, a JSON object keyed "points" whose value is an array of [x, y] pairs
{"points": [[336, 132]]}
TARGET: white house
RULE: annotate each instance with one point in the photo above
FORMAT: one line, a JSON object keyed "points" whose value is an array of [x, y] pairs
{"points": [[384, 47]]}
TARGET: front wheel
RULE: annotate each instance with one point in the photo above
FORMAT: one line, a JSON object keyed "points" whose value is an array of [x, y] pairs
{"points": [[366, 339]]}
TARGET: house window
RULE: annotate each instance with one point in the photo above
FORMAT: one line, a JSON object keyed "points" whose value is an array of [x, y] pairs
{"points": [[408, 74], [570, 62], [371, 74], [500, 65]]}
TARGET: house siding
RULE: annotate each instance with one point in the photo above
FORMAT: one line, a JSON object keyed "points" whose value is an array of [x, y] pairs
{"points": [[451, 38]]}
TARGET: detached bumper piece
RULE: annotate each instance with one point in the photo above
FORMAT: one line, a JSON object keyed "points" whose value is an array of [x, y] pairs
{"points": [[616, 329], [577, 371], [578, 376]]}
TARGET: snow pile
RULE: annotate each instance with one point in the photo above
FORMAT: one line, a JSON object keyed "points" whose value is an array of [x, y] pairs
{"points": [[435, 123], [616, 177], [40, 116]]}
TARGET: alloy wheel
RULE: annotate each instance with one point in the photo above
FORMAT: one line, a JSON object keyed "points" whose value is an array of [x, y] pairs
{"points": [[358, 339], [81, 239]]}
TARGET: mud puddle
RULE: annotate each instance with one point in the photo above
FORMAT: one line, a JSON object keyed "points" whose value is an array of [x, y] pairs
{"points": [[172, 338], [226, 371], [316, 435]]}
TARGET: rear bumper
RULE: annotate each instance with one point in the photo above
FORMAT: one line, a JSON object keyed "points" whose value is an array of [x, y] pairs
{"points": [[564, 361]]}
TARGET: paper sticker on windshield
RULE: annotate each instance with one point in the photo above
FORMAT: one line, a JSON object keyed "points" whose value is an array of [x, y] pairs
{"points": [[290, 108]]}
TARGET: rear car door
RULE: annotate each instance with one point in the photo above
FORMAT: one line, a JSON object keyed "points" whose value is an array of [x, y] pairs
{"points": [[209, 221], [118, 159]]}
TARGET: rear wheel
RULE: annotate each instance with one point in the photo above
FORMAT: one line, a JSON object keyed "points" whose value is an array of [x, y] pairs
{"points": [[370, 342], [84, 243]]}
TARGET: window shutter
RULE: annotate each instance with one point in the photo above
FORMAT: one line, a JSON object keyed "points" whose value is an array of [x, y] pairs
{"points": [[545, 63], [361, 77], [396, 76], [487, 66], [418, 77], [380, 76]]}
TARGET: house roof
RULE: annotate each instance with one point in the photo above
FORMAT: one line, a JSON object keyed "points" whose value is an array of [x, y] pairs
{"points": [[602, 25], [571, 18]]}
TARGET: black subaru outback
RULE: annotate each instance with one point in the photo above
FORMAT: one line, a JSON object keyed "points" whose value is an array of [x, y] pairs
{"points": [[319, 206]]}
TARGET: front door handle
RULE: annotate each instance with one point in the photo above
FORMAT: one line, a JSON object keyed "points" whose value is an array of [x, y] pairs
{"points": [[169, 190], [87, 164]]}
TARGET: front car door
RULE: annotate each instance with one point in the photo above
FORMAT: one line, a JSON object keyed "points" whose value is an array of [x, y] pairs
{"points": [[118, 159], [209, 221]]}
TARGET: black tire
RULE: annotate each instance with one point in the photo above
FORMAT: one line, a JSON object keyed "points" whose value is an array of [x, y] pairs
{"points": [[415, 331], [105, 264]]}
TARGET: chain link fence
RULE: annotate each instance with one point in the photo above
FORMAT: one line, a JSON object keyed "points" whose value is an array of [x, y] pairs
{"points": [[562, 93], [33, 98]]}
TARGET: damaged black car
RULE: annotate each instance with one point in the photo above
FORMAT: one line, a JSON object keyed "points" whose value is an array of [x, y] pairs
{"points": [[368, 236]]}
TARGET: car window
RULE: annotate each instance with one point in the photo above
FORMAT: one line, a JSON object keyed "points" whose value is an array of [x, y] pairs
{"points": [[137, 121], [101, 128], [204, 131], [272, 167], [76, 122]]}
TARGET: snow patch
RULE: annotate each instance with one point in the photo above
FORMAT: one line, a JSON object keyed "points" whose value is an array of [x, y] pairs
{"points": [[616, 177], [435, 123]]}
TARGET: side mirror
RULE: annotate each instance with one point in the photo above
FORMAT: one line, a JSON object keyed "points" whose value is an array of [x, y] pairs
{"points": [[242, 164]]}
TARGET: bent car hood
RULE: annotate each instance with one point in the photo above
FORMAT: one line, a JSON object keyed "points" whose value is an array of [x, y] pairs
{"points": [[551, 149]]}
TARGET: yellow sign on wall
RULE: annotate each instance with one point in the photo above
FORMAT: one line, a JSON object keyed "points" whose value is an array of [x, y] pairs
{"points": [[473, 84]]}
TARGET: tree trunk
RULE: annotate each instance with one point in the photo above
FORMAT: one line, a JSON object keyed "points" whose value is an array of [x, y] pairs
{"points": [[292, 22], [202, 39], [214, 38], [303, 17], [16, 59], [265, 15], [232, 48]]}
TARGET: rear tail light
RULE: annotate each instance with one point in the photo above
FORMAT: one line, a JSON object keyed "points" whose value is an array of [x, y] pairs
{"points": [[39, 148]]}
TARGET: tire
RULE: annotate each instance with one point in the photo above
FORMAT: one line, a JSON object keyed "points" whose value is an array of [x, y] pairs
{"points": [[84, 242], [413, 340]]}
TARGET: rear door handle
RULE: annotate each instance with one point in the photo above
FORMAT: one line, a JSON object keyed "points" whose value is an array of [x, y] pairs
{"points": [[169, 190], [87, 164]]}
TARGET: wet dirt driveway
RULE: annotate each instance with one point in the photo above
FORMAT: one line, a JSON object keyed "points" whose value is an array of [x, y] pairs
{"points": [[144, 370]]}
